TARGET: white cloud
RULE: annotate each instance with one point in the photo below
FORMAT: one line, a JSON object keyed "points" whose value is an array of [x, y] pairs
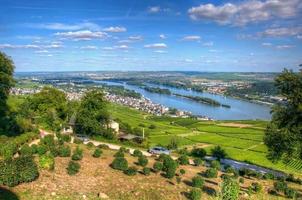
{"points": [[117, 47], [285, 46], [281, 31], [154, 9], [136, 37], [42, 51], [89, 47], [208, 44], [266, 44], [115, 29], [156, 46], [66, 27], [162, 36], [82, 35], [191, 38], [188, 60], [249, 11], [160, 51]]}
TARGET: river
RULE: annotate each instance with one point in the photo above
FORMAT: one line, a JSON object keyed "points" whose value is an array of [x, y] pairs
{"points": [[240, 109]]}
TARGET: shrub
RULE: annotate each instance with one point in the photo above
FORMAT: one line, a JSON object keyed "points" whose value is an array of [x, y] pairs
{"points": [[120, 163], [64, 151], [123, 149], [215, 164], [169, 166], [26, 150], [119, 154], [157, 166], [211, 173], [290, 193], [229, 189], [77, 141], [77, 154], [142, 161], [8, 150], [183, 160], [230, 170], [146, 171], [90, 145], [241, 180], [137, 153], [218, 152], [182, 171], [280, 186], [97, 153], [103, 146], [65, 138], [199, 153], [269, 176], [73, 168], [41, 149], [54, 151], [34, 148], [131, 171], [18, 170], [48, 141], [198, 161], [184, 151], [162, 157], [178, 179], [195, 194], [47, 162], [197, 182], [256, 187]]}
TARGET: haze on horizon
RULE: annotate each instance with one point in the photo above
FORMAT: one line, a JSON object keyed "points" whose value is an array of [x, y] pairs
{"points": [[140, 35]]}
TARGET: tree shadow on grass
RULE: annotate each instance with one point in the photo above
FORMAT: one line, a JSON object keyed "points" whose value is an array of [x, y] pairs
{"points": [[6, 194], [209, 190]]}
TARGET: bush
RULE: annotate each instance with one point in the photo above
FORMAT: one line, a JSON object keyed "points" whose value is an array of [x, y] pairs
{"points": [[26, 150], [199, 153], [48, 141], [211, 173], [197, 182], [157, 166], [34, 148], [256, 187], [178, 179], [47, 162], [229, 189], [218, 152], [162, 157], [103, 146], [269, 176], [120, 163], [290, 193], [183, 160], [90, 145], [41, 149], [198, 161], [18, 170], [152, 126], [230, 170], [182, 171], [215, 164], [8, 150], [77, 154], [146, 171], [73, 168], [119, 154], [54, 151], [97, 153], [169, 166], [280, 186], [77, 141], [131, 171], [65, 138], [241, 180], [142, 161], [137, 153], [64, 151], [195, 194]]}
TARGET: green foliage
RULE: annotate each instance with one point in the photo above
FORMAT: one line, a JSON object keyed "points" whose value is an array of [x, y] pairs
{"points": [[215, 164], [137, 153], [269, 176], [93, 116], [197, 182], [146, 171], [183, 160], [131, 171], [120, 163], [198, 152], [230, 189], [142, 161], [47, 161], [41, 149], [241, 180], [218, 152], [290, 193], [103, 146], [178, 179], [65, 137], [64, 151], [152, 126], [8, 150], [48, 141], [77, 141], [26, 150], [182, 171], [73, 168], [169, 166], [197, 161], [174, 143], [119, 154], [280, 186], [157, 166], [18, 170], [211, 173], [97, 153], [195, 194], [34, 148], [256, 187], [283, 134], [77, 154], [90, 145]]}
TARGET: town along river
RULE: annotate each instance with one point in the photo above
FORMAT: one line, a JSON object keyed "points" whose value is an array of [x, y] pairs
{"points": [[239, 109]]}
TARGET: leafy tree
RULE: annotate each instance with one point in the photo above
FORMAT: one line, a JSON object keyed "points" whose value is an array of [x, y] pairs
{"points": [[131, 171], [195, 194], [146, 171], [183, 160], [73, 167], [157, 166], [92, 117], [198, 152], [169, 166], [197, 182], [97, 153], [120, 163], [230, 189], [218, 152], [283, 135], [142, 161], [211, 173]]}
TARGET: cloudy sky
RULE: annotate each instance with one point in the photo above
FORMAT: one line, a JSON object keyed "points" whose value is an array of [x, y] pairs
{"points": [[73, 35]]}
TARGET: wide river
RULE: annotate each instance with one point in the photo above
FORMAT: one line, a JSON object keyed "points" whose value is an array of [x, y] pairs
{"points": [[240, 109]]}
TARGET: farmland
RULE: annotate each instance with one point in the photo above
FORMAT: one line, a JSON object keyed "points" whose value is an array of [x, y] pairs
{"points": [[241, 139]]}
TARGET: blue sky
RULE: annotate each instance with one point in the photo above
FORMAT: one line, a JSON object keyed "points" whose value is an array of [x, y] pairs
{"points": [[96, 35]]}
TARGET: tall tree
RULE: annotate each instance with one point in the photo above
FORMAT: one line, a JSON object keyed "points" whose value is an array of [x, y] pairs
{"points": [[283, 135], [93, 115], [6, 82]]}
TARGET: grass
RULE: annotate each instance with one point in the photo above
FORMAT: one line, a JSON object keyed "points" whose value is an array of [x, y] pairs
{"points": [[241, 143]]}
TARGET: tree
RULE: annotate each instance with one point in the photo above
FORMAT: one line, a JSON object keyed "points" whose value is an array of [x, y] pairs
{"points": [[198, 152], [218, 152], [6, 82], [92, 117], [230, 189], [283, 135]]}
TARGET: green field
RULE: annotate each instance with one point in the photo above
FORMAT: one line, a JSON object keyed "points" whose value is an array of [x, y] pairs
{"points": [[241, 143]]}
